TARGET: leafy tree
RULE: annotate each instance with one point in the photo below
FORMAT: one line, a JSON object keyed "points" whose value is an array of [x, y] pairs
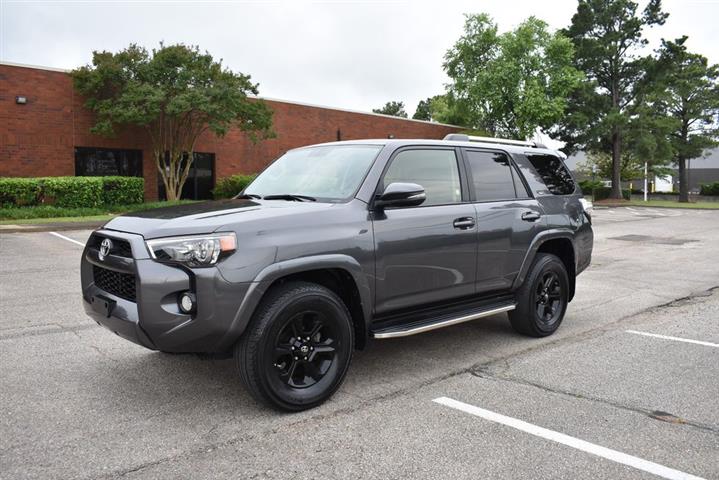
{"points": [[396, 109], [600, 164], [688, 93], [424, 110], [607, 36], [510, 84], [446, 109], [175, 94]]}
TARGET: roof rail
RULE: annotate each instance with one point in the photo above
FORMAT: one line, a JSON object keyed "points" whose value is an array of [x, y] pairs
{"points": [[461, 137]]}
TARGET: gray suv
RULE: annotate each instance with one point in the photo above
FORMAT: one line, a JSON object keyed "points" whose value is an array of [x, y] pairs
{"points": [[337, 243]]}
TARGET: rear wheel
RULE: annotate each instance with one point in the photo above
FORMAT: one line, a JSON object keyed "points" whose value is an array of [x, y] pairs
{"points": [[297, 348], [542, 299]]}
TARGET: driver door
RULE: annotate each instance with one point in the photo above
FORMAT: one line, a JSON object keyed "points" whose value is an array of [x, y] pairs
{"points": [[425, 254]]}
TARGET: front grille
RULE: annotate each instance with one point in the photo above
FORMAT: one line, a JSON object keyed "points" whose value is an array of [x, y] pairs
{"points": [[120, 247], [117, 283]]}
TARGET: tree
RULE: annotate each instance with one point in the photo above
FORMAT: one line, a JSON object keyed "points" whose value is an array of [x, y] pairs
{"points": [[424, 110], [175, 94], [600, 164], [446, 109], [510, 84], [688, 91], [607, 36], [395, 109]]}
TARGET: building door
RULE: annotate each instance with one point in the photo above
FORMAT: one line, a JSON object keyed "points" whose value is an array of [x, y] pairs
{"points": [[200, 181]]}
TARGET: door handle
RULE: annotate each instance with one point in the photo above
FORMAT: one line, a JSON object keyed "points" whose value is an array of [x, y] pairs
{"points": [[463, 223], [530, 216]]}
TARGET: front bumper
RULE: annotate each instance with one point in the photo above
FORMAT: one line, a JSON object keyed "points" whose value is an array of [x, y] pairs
{"points": [[152, 318]]}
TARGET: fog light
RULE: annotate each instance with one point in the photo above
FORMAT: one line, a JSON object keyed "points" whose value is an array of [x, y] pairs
{"points": [[187, 302]]}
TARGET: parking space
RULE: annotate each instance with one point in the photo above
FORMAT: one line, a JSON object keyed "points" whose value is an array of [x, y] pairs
{"points": [[78, 402]]}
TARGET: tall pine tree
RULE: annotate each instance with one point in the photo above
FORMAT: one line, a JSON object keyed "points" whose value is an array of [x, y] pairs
{"points": [[607, 36]]}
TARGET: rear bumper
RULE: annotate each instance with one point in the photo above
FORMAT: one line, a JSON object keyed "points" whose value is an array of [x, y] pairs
{"points": [[153, 318]]}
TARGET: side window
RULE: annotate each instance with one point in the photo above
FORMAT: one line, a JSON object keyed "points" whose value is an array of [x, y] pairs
{"points": [[435, 170], [554, 173], [492, 176]]}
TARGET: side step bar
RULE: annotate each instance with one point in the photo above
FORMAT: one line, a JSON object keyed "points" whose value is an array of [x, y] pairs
{"points": [[440, 322]]}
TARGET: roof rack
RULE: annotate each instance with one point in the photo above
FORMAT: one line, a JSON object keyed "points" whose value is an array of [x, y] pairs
{"points": [[461, 137]]}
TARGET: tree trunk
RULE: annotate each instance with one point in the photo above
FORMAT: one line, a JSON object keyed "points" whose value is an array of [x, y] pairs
{"points": [[616, 192], [683, 180]]}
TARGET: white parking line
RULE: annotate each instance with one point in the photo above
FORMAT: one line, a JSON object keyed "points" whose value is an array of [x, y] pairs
{"points": [[676, 339], [582, 445], [67, 238]]}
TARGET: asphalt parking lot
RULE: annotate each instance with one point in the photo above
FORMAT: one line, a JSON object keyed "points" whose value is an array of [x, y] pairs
{"points": [[627, 388]]}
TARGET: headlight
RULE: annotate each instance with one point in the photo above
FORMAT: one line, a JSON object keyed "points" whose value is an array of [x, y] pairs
{"points": [[193, 251]]}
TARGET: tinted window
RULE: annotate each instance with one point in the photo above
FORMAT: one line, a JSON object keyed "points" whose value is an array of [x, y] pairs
{"points": [[94, 162], [435, 170], [553, 173], [491, 176]]}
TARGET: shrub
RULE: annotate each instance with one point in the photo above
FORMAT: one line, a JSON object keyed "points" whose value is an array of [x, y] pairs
{"points": [[603, 193], [588, 186], [709, 188], [228, 187], [71, 192], [123, 190], [19, 191]]}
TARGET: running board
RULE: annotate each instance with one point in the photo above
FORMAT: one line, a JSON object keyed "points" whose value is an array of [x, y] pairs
{"points": [[422, 326]]}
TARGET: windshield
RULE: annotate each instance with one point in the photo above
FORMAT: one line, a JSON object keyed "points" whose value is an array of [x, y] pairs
{"points": [[328, 172]]}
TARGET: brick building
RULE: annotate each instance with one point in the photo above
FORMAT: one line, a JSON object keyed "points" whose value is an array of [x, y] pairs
{"points": [[45, 131]]}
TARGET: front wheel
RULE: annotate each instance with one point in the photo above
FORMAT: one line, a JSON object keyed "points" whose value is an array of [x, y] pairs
{"points": [[297, 348], [542, 299]]}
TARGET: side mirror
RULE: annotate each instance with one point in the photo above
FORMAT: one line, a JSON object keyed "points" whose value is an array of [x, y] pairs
{"points": [[401, 195]]}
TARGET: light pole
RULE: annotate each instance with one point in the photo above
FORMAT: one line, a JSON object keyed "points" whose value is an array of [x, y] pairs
{"points": [[646, 171]]}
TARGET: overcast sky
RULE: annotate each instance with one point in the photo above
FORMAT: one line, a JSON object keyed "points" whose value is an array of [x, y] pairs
{"points": [[347, 54]]}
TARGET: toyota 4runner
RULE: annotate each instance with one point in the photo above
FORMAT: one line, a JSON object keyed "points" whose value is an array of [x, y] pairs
{"points": [[337, 243]]}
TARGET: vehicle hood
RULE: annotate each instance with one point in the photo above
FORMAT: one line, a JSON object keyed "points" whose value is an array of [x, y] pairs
{"points": [[207, 217]]}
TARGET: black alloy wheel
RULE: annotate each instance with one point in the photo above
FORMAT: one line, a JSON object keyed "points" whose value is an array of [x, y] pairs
{"points": [[304, 350], [543, 297], [548, 298], [297, 348]]}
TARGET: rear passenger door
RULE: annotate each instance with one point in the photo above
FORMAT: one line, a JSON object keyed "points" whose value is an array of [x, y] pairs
{"points": [[507, 217], [425, 254]]}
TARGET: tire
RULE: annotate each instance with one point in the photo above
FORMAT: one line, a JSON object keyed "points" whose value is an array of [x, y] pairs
{"points": [[297, 348], [542, 299]]}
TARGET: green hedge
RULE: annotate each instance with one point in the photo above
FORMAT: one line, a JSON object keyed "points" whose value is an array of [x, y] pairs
{"points": [[603, 193], [123, 190], [588, 185], [71, 192], [228, 187], [19, 191], [709, 188]]}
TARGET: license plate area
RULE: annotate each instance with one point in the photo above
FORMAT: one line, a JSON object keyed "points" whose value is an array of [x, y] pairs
{"points": [[103, 305]]}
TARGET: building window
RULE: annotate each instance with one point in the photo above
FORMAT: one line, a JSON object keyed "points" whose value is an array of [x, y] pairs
{"points": [[200, 179], [94, 162]]}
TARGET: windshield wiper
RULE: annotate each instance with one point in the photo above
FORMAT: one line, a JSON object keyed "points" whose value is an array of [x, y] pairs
{"points": [[247, 195], [291, 197]]}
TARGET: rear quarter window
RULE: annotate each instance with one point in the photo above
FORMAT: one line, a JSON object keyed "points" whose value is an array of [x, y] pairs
{"points": [[554, 174]]}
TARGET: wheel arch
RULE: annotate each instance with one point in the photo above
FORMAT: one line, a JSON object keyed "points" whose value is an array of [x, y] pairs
{"points": [[339, 273], [557, 242]]}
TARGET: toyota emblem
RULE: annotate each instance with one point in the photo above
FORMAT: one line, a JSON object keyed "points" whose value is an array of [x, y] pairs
{"points": [[105, 248]]}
